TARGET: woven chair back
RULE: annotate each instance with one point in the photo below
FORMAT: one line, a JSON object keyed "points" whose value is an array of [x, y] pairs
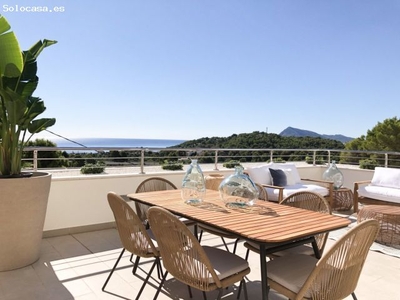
{"points": [[182, 255], [262, 193], [151, 184], [131, 230], [337, 272], [310, 201]]}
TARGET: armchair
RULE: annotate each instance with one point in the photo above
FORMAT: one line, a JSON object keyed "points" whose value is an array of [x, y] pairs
{"points": [[383, 188]]}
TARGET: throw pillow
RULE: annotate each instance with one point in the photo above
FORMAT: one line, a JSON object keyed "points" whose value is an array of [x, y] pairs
{"points": [[290, 180], [288, 166], [278, 177]]}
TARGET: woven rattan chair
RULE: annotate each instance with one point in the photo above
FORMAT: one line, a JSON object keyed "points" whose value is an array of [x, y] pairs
{"points": [[334, 276], [202, 267], [227, 235], [306, 200], [150, 185], [262, 192], [134, 237]]}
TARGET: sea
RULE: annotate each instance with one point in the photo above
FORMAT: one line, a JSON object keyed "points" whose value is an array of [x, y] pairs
{"points": [[115, 142]]}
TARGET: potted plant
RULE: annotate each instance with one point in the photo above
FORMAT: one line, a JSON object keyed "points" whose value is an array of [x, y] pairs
{"points": [[23, 197]]}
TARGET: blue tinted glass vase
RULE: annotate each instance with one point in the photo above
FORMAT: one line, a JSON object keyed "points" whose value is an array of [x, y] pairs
{"points": [[193, 184], [238, 190], [335, 175]]}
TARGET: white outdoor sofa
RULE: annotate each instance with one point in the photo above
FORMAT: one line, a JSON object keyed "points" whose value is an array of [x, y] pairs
{"points": [[383, 188], [271, 177]]}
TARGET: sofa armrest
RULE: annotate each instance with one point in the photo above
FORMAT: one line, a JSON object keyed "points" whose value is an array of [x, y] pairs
{"points": [[355, 192], [279, 188], [318, 180], [362, 182], [329, 186]]}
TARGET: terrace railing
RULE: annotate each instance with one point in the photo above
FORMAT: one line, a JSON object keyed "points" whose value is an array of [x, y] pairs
{"points": [[37, 158]]}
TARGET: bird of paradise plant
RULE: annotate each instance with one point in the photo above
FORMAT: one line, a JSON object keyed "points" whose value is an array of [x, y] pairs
{"points": [[19, 109]]}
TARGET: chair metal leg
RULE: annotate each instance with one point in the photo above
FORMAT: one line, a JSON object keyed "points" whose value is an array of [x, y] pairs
{"points": [[131, 259], [235, 246], [220, 294], [161, 284], [201, 235], [247, 254], [242, 283], [204, 295], [190, 292], [156, 262], [354, 296], [159, 269], [226, 246], [195, 229], [135, 265], [246, 297], [113, 269]]}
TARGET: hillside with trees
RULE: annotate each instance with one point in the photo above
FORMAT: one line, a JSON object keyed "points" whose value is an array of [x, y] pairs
{"points": [[257, 140], [262, 140], [385, 136]]}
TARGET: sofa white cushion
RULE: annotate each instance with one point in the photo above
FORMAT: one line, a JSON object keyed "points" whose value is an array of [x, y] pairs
{"points": [[386, 177], [273, 194], [260, 174], [290, 180], [380, 193]]}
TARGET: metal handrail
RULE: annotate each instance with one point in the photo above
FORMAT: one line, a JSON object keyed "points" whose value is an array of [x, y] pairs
{"points": [[219, 154]]}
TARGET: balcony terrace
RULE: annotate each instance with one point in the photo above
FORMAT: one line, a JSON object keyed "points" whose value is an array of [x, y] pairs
{"points": [[81, 244]]}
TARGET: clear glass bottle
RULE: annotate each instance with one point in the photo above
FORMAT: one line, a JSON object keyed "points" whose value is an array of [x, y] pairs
{"points": [[238, 190], [193, 184], [335, 175]]}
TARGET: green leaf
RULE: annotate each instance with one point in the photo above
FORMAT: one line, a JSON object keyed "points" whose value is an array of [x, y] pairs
{"points": [[34, 107], [11, 62], [41, 124]]}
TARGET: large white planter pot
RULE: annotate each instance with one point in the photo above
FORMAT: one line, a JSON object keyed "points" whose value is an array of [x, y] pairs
{"points": [[23, 204]]}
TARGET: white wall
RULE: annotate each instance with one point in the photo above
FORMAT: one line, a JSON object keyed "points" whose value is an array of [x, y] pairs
{"points": [[82, 200]]}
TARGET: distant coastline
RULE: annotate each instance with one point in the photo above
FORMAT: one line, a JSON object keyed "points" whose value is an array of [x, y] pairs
{"points": [[115, 142]]}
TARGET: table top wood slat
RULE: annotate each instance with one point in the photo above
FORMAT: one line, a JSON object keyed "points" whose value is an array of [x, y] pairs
{"points": [[265, 222]]}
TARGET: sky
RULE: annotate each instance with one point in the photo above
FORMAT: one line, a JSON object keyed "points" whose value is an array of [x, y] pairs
{"points": [[187, 69]]}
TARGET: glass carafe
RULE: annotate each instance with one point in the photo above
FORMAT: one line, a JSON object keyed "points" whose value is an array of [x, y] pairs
{"points": [[335, 175], [238, 190], [193, 184]]}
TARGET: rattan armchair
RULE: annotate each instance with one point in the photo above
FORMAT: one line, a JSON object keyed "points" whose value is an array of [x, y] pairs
{"points": [[201, 267], [134, 237], [334, 276], [305, 200]]}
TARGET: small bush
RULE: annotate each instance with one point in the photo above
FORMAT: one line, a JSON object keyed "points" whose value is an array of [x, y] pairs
{"points": [[368, 163], [172, 166], [279, 160], [92, 169], [231, 164], [318, 160]]}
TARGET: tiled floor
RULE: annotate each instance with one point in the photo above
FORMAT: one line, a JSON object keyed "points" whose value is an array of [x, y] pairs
{"points": [[76, 266]]}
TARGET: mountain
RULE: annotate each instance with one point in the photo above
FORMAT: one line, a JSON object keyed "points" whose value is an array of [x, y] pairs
{"points": [[290, 131]]}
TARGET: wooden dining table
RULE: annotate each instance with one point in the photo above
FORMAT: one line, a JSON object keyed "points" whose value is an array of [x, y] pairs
{"points": [[272, 226]]}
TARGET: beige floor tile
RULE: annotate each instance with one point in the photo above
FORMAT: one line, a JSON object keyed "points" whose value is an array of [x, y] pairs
{"points": [[76, 267]]}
